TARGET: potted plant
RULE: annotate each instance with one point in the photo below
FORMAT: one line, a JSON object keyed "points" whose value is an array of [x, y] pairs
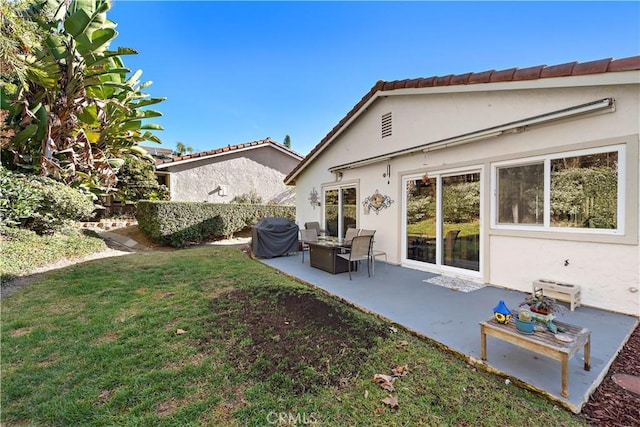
{"points": [[538, 303], [525, 322]]}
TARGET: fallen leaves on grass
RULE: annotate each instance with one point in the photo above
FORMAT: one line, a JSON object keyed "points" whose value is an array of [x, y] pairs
{"points": [[384, 381], [400, 371], [391, 401]]}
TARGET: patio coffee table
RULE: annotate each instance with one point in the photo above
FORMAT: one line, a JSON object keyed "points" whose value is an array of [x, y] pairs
{"points": [[544, 343]]}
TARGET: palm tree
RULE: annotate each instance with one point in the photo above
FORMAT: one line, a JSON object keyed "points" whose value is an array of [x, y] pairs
{"points": [[181, 149]]}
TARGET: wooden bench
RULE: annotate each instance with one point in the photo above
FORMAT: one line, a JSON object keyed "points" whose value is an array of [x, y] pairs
{"points": [[543, 343], [562, 291]]}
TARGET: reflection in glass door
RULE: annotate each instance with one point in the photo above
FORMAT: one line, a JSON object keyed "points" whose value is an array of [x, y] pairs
{"points": [[340, 210], [443, 220], [421, 219], [461, 221]]}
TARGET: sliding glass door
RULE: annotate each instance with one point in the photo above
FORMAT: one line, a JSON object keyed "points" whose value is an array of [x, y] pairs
{"points": [[442, 220], [340, 210]]}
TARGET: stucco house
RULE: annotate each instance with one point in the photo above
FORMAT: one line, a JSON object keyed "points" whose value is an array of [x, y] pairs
{"points": [[221, 174], [500, 177]]}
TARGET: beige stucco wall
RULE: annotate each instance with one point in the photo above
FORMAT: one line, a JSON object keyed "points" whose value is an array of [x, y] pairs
{"points": [[607, 268], [260, 169]]}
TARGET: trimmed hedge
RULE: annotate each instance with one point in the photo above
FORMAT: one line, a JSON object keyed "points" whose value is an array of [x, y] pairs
{"points": [[179, 224]]}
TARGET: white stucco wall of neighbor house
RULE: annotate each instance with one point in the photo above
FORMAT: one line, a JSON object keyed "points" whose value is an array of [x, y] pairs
{"points": [[220, 179], [605, 265]]}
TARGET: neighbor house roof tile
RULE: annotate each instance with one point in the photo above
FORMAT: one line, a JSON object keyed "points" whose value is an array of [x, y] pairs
{"points": [[227, 149]]}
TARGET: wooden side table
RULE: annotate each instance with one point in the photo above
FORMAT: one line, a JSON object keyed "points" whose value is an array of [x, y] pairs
{"points": [[544, 343]]}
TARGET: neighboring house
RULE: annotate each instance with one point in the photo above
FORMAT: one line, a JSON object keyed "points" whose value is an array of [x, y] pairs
{"points": [[159, 153], [501, 177], [220, 175]]}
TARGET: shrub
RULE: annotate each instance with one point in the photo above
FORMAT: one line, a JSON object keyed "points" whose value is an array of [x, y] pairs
{"points": [[23, 250], [40, 204], [181, 223], [252, 198], [137, 181]]}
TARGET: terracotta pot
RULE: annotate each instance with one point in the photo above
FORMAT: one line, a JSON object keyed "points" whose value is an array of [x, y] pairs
{"points": [[537, 310]]}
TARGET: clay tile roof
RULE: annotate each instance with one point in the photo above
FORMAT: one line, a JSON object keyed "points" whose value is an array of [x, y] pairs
{"points": [[443, 81], [460, 79], [624, 64], [503, 75], [484, 77], [230, 148], [592, 67], [560, 70], [528, 73], [507, 75], [428, 82]]}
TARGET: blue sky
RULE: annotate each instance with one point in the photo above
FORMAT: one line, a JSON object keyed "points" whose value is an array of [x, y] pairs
{"points": [[234, 72]]}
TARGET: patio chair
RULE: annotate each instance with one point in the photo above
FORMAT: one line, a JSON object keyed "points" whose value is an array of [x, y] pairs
{"points": [[307, 236], [374, 252], [360, 247], [350, 234], [315, 225], [449, 245]]}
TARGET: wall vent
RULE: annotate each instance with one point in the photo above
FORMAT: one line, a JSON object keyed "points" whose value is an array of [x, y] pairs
{"points": [[386, 125]]}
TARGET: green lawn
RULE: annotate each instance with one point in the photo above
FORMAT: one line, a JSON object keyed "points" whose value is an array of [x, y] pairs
{"points": [[208, 336]]}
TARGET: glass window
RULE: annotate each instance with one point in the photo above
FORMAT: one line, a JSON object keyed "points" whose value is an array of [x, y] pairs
{"points": [[331, 207], [461, 221], [577, 190], [421, 219], [584, 191], [521, 194], [340, 210]]}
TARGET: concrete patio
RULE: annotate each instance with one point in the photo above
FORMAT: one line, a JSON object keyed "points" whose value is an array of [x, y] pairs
{"points": [[452, 318]]}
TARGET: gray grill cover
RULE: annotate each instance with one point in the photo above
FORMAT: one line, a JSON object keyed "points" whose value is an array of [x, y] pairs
{"points": [[273, 237]]}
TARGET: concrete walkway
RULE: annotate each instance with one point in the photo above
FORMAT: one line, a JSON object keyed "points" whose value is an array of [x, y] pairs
{"points": [[121, 242], [451, 318]]}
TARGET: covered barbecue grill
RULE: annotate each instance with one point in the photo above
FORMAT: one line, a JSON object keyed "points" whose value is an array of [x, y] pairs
{"points": [[272, 237]]}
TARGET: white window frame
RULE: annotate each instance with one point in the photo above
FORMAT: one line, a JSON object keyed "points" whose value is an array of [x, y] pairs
{"points": [[341, 186], [546, 159], [438, 267]]}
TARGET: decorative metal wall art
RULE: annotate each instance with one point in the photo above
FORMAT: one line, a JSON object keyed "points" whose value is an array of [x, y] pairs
{"points": [[377, 202], [313, 198]]}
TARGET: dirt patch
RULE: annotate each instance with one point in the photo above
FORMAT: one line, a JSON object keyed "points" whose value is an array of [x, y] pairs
{"points": [[108, 337], [21, 332], [294, 341], [611, 405]]}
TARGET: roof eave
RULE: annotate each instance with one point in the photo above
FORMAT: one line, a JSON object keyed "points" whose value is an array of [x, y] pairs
{"points": [[594, 73]]}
